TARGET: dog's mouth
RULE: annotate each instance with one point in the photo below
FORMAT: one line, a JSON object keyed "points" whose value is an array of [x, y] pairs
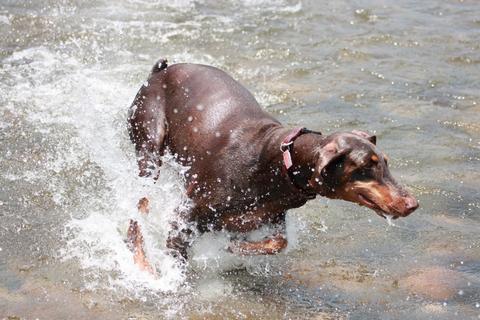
{"points": [[364, 200], [368, 202]]}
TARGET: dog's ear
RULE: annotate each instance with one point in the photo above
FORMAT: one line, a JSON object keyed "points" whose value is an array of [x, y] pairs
{"points": [[366, 135], [323, 178]]}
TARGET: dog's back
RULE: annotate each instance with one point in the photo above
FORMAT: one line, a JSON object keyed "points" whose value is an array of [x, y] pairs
{"points": [[193, 108]]}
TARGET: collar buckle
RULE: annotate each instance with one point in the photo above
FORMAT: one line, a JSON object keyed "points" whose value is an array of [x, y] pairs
{"points": [[284, 146]]}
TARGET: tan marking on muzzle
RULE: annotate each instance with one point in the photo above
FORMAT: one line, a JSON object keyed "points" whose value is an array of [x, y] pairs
{"points": [[371, 186]]}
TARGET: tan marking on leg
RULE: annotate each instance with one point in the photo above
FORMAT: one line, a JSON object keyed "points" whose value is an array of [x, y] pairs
{"points": [[143, 206], [135, 244], [268, 246]]}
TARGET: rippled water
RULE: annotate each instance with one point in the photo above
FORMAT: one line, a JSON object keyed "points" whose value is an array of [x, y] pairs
{"points": [[407, 70]]}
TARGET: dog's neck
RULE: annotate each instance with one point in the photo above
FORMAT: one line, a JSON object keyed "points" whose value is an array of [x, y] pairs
{"points": [[303, 156]]}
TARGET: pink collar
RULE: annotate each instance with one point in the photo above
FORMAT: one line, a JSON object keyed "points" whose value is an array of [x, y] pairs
{"points": [[287, 144], [287, 148]]}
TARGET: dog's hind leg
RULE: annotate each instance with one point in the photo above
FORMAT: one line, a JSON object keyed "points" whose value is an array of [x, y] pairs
{"points": [[178, 241], [135, 239], [135, 244], [147, 128], [183, 232], [143, 206], [147, 124]]}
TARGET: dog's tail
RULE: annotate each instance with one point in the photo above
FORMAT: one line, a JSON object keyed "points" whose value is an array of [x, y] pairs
{"points": [[159, 65]]}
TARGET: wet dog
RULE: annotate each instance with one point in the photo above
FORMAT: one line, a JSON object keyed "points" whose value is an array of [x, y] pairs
{"points": [[246, 168]]}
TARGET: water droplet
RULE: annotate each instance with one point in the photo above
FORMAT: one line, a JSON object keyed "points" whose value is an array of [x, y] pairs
{"points": [[389, 220], [190, 118]]}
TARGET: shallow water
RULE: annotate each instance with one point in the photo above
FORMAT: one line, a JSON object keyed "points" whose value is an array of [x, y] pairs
{"points": [[407, 70]]}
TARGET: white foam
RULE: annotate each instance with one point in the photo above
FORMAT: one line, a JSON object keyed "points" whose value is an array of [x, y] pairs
{"points": [[96, 111], [182, 4], [4, 20]]}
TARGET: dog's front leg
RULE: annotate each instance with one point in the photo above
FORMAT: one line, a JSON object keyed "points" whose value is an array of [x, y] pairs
{"points": [[271, 245]]}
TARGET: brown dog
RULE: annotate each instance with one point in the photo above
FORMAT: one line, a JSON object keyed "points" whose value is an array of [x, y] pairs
{"points": [[246, 169]]}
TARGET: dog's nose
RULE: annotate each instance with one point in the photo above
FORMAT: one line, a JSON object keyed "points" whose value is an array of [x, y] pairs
{"points": [[411, 204]]}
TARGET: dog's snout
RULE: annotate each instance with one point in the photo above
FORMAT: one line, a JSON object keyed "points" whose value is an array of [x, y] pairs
{"points": [[411, 204]]}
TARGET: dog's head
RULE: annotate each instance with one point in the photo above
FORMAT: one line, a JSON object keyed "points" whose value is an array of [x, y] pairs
{"points": [[350, 167]]}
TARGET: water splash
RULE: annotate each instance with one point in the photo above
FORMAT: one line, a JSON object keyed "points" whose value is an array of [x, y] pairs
{"points": [[389, 219]]}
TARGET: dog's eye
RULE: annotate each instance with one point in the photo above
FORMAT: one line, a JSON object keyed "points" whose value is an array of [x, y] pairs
{"points": [[362, 174]]}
